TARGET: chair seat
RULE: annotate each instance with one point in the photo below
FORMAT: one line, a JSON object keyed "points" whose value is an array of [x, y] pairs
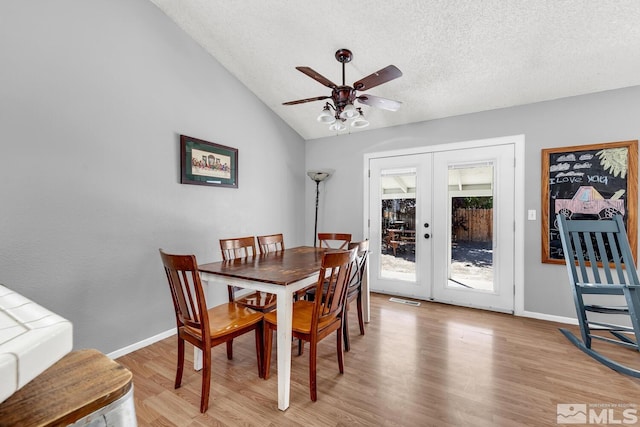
{"points": [[225, 318], [302, 314], [261, 301]]}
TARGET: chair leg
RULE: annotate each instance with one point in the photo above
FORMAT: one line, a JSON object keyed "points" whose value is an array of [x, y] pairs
{"points": [[206, 378], [633, 303], [582, 317], [340, 351], [260, 349], [268, 344], [345, 329], [180, 366], [360, 313], [313, 354], [230, 349]]}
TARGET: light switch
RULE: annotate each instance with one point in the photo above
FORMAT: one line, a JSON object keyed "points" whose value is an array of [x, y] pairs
{"points": [[531, 215]]}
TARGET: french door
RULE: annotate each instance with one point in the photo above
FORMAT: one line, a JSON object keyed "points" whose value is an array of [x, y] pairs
{"points": [[400, 206], [442, 226]]}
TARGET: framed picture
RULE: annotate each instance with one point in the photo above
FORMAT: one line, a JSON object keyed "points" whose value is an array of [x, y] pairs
{"points": [[588, 182], [206, 163]]}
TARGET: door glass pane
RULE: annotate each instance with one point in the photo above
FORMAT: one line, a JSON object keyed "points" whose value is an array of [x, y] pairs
{"points": [[398, 248], [471, 216]]}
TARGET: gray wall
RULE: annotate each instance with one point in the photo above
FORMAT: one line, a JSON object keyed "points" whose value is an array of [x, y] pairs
{"points": [[93, 97], [595, 118]]}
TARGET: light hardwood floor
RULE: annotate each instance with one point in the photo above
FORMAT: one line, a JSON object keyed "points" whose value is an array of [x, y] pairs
{"points": [[433, 365]]}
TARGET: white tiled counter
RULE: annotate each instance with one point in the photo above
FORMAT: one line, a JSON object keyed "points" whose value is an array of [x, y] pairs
{"points": [[32, 339]]}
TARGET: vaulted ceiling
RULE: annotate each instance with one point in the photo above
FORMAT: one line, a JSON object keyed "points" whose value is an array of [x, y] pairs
{"points": [[457, 56]]}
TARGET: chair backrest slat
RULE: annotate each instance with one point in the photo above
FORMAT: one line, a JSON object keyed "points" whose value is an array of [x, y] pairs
{"points": [[588, 242], [615, 260]]}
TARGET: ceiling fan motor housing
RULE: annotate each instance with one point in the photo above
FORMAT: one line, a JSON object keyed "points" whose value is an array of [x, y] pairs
{"points": [[343, 95]]}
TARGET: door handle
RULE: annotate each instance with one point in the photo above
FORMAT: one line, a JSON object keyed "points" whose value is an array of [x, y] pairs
{"points": [[427, 235]]}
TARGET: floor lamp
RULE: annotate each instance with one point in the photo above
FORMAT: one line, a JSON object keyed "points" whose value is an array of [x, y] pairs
{"points": [[318, 177]]}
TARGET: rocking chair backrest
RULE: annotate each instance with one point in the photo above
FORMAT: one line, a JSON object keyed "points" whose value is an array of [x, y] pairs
{"points": [[593, 248]]}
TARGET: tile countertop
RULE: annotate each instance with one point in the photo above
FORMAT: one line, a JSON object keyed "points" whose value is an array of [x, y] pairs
{"points": [[32, 339]]}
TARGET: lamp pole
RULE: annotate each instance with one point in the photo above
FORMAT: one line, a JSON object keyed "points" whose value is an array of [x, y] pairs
{"points": [[315, 229], [318, 176]]}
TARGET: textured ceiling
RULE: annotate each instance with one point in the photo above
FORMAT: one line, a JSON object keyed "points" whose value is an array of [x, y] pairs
{"points": [[457, 57]]}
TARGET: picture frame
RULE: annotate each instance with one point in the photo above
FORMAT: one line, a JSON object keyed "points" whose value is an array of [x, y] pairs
{"points": [[593, 181], [206, 163]]}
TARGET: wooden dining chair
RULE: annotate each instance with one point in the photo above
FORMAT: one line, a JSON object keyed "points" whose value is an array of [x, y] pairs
{"points": [[244, 247], [354, 290], [205, 328], [315, 320], [329, 241], [334, 240], [270, 243]]}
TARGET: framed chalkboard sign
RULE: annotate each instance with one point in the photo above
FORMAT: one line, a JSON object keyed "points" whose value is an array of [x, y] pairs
{"points": [[588, 182]]}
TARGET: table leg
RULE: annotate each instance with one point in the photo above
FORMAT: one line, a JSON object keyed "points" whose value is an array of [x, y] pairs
{"points": [[285, 315], [197, 359]]}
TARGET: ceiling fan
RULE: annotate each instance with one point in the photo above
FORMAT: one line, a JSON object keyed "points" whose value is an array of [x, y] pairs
{"points": [[342, 97]]}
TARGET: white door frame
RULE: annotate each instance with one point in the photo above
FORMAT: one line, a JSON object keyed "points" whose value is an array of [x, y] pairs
{"points": [[518, 141]]}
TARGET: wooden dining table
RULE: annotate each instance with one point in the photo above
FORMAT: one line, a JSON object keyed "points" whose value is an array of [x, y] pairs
{"points": [[282, 273]]}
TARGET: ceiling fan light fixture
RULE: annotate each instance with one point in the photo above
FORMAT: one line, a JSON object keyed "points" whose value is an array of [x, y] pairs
{"points": [[337, 126], [349, 112], [326, 117], [360, 122]]}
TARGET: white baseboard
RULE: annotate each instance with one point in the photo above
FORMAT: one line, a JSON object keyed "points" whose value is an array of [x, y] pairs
{"points": [[549, 317], [141, 344]]}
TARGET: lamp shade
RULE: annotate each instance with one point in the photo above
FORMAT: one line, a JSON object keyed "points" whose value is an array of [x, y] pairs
{"points": [[326, 117], [349, 112], [318, 175], [360, 122], [337, 126]]}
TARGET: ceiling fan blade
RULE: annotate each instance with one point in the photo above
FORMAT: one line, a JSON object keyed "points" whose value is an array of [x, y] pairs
{"points": [[302, 101], [317, 76], [388, 73], [376, 101]]}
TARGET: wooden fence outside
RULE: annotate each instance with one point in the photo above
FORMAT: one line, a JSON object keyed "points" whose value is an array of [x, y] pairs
{"points": [[472, 225]]}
